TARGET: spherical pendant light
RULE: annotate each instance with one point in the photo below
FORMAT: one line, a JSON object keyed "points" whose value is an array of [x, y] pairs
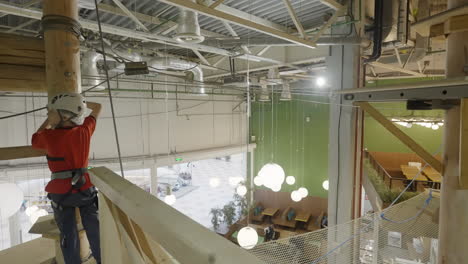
{"points": [[12, 198], [247, 237], [303, 192], [258, 181], [214, 182], [290, 180], [170, 199], [241, 190], [325, 185], [296, 196], [272, 175], [276, 188]]}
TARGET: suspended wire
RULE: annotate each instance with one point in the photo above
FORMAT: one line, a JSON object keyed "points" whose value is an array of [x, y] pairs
{"points": [[109, 89], [43, 108]]}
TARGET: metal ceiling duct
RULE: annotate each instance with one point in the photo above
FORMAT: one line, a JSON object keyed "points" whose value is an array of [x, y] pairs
{"points": [[170, 63], [90, 71], [286, 92], [188, 30], [264, 94]]}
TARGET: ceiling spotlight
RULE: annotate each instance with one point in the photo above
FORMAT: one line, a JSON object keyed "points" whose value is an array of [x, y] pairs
{"points": [[320, 81]]}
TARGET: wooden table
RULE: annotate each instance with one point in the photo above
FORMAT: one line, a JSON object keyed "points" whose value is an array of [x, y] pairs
{"points": [[410, 172], [270, 212], [303, 217], [433, 175]]}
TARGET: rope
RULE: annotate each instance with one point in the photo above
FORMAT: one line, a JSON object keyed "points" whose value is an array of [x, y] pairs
{"points": [[109, 89]]}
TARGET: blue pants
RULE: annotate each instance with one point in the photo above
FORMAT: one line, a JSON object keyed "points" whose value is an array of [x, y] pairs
{"points": [[64, 213]]}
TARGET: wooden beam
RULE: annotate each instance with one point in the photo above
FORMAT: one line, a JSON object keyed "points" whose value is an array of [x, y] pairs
{"points": [[19, 50], [62, 48], [216, 4], [149, 19], [464, 143], [294, 18], [187, 241], [405, 139], [130, 14], [207, 11], [14, 78], [332, 4], [397, 69], [11, 153], [330, 21], [423, 26], [451, 25]]}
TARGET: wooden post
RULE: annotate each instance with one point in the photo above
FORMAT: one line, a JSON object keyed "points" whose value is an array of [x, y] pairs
{"points": [[62, 50], [62, 58], [453, 232]]}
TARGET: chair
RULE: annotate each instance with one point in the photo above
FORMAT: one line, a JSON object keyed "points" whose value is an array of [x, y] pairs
{"points": [[282, 219], [259, 217], [315, 222]]}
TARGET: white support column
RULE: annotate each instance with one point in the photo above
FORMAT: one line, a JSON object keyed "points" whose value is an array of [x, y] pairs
{"points": [[342, 65], [154, 179]]}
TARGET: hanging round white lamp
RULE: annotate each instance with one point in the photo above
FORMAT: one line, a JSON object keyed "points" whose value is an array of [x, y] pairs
{"points": [[272, 175], [241, 190], [214, 182], [303, 192], [258, 181], [296, 196], [290, 180], [12, 198], [247, 237], [325, 185], [276, 188], [170, 199]]}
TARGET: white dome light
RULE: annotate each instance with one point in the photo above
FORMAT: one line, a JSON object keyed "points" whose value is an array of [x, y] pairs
{"points": [[296, 196], [247, 237], [30, 210], [320, 81], [290, 180], [170, 199], [214, 182], [303, 192], [241, 190], [258, 181], [12, 198], [435, 127], [276, 188], [325, 185], [36, 214], [272, 175]]}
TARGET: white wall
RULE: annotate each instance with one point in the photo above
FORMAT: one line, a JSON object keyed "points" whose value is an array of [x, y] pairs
{"points": [[146, 126]]}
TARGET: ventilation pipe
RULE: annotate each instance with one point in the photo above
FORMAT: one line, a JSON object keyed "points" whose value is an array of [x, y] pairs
{"points": [[188, 30], [378, 32], [264, 94], [90, 70], [169, 63], [286, 92]]}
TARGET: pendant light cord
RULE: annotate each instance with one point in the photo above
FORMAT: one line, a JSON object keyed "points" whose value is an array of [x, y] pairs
{"points": [[109, 89]]}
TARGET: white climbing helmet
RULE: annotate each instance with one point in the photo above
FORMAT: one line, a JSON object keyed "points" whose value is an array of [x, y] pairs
{"points": [[71, 102]]}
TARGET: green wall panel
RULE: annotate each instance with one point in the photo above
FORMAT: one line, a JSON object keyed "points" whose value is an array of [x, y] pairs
{"points": [[300, 147]]}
